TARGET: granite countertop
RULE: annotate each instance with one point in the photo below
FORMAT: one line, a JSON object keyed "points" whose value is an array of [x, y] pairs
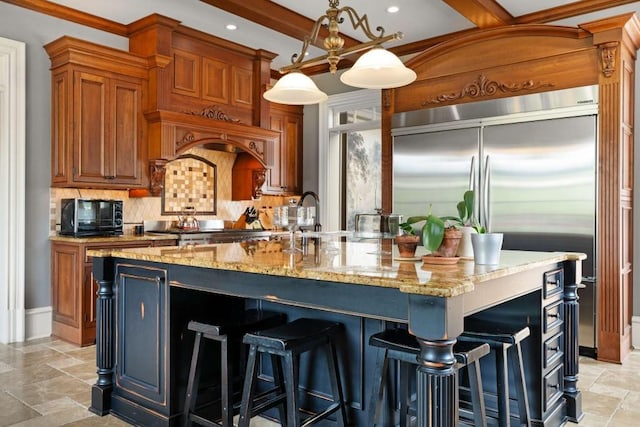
{"points": [[113, 239], [347, 262]]}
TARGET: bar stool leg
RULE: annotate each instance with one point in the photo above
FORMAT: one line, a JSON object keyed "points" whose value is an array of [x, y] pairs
{"points": [[382, 365], [248, 389], [227, 384], [405, 398], [278, 380], [193, 381], [291, 384], [336, 386], [477, 400], [518, 370], [504, 417]]}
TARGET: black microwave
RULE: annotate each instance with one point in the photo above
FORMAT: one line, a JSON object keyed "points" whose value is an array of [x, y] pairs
{"points": [[90, 217]]}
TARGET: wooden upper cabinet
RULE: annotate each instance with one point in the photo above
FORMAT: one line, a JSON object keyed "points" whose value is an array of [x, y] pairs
{"points": [[98, 129], [284, 158]]}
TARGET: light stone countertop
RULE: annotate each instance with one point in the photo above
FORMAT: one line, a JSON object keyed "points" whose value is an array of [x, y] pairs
{"points": [[350, 262]]}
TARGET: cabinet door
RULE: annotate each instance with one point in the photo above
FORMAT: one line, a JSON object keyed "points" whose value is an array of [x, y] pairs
{"points": [[284, 176], [60, 127], [89, 126], [122, 156], [65, 293], [140, 345]]}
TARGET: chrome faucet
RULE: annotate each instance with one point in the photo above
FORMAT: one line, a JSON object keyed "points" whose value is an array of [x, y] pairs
{"points": [[316, 226]]}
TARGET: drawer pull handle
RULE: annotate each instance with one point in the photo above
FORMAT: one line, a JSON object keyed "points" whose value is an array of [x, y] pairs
{"points": [[552, 282], [553, 315], [554, 349], [553, 386]]}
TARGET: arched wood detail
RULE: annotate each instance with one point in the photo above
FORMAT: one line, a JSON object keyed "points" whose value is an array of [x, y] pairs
{"points": [[522, 59]]}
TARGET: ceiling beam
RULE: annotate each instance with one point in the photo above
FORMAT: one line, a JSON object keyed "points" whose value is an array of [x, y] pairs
{"points": [[73, 15], [569, 11], [483, 13], [278, 18]]}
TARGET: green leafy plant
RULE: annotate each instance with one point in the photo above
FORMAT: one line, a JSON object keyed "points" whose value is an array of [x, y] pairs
{"points": [[407, 228], [434, 226]]}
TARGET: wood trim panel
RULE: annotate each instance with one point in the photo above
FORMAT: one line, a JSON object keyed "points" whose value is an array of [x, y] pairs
{"points": [[569, 10]]}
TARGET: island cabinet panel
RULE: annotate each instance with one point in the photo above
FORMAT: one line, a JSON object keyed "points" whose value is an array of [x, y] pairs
{"points": [[98, 130], [543, 350], [284, 157], [140, 313], [74, 289]]}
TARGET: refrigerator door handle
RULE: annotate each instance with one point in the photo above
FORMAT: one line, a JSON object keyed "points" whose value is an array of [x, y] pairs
{"points": [[487, 195], [472, 174]]}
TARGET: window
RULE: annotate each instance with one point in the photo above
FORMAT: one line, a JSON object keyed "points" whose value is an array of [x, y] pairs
{"points": [[350, 154]]}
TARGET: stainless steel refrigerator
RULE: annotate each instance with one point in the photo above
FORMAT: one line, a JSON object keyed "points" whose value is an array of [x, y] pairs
{"points": [[531, 161]]}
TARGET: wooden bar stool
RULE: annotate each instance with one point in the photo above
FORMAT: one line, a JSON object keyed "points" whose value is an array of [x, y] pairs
{"points": [[400, 346], [287, 342], [505, 344], [228, 332]]}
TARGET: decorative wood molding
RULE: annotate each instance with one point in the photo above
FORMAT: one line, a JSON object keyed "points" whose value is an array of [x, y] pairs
{"points": [[157, 170], [258, 177], [608, 58], [215, 113], [187, 138], [482, 87], [256, 149]]}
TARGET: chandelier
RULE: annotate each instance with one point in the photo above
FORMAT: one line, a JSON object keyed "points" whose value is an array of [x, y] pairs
{"points": [[376, 69]]}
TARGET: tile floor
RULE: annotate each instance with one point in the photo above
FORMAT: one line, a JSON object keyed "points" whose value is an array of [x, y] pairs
{"points": [[47, 383]]}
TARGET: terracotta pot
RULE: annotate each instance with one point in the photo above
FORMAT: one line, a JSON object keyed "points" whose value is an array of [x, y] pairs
{"points": [[407, 245], [449, 246]]}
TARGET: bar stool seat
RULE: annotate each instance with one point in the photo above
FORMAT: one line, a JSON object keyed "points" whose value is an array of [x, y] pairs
{"points": [[399, 345], [285, 343], [505, 344], [228, 332]]}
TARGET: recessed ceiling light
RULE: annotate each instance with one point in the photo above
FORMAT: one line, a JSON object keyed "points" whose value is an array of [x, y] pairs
{"points": [[393, 9], [231, 27]]}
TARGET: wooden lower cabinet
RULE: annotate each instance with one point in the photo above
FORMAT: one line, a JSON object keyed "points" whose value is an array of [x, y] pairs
{"points": [[73, 289]]}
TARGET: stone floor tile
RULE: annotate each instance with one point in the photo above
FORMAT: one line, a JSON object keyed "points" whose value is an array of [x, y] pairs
{"points": [[44, 391], [58, 405], [96, 421], [13, 411], [5, 368], [63, 346], [608, 390], [599, 404], [624, 418], [86, 354], [621, 379], [591, 420], [85, 371], [56, 419], [17, 378], [65, 363]]}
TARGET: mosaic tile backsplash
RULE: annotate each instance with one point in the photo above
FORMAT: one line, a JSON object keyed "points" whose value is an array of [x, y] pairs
{"points": [[190, 182], [137, 210]]}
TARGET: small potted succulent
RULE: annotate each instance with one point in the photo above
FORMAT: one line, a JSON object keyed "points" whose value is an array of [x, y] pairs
{"points": [[407, 241]]}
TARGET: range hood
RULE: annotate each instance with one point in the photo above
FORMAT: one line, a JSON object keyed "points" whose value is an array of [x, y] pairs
{"points": [[172, 133]]}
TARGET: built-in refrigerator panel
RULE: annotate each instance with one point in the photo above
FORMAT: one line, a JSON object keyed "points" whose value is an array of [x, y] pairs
{"points": [[541, 181], [541, 176], [432, 170]]}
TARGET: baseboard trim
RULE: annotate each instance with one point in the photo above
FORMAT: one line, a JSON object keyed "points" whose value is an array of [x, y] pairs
{"points": [[635, 332], [38, 322]]}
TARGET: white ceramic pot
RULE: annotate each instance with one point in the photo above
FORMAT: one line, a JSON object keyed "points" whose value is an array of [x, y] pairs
{"points": [[486, 248], [465, 249]]}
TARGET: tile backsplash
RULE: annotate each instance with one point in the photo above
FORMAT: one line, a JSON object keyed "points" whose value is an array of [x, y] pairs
{"points": [[139, 209]]}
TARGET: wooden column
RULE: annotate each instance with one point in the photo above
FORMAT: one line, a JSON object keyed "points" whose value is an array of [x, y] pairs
{"points": [[617, 40]]}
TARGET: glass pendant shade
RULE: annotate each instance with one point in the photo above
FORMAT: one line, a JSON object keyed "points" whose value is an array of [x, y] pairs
{"points": [[295, 88], [378, 69]]}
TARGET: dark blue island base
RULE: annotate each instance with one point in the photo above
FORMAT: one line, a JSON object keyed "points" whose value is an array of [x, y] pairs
{"points": [[143, 348]]}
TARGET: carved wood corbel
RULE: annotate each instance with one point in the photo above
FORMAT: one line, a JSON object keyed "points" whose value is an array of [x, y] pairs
{"points": [[157, 170], [608, 58]]}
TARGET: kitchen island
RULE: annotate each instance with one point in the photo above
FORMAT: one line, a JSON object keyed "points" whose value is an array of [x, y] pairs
{"points": [[146, 296]]}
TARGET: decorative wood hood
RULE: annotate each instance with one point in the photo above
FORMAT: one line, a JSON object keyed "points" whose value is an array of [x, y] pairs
{"points": [[174, 133], [203, 91]]}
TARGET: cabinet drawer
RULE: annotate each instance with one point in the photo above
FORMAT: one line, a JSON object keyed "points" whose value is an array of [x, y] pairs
{"points": [[553, 349], [552, 316], [553, 283], [553, 386]]}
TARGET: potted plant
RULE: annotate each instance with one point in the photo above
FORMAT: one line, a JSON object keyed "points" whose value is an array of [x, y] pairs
{"points": [[465, 223], [439, 234], [407, 241]]}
